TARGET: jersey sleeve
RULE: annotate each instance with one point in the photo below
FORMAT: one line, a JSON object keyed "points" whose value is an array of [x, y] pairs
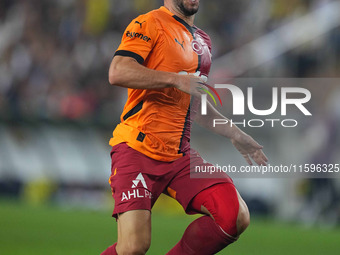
{"points": [[139, 38]]}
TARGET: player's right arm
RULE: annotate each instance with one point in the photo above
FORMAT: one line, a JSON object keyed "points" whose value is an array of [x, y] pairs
{"points": [[127, 72], [244, 143], [127, 69]]}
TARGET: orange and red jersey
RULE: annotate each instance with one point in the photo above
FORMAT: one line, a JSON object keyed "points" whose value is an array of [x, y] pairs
{"points": [[157, 122]]}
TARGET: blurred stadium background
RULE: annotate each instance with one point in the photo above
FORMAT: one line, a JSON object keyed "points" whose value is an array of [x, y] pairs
{"points": [[57, 112]]}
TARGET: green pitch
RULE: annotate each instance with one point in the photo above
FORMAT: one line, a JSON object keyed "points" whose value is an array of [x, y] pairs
{"points": [[54, 231]]}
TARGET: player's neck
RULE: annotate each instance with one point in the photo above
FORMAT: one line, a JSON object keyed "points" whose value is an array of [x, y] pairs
{"points": [[174, 10]]}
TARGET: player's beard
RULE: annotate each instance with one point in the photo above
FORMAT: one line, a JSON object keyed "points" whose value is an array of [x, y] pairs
{"points": [[186, 10]]}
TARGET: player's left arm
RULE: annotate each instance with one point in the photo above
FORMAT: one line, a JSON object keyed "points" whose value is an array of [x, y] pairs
{"points": [[244, 143]]}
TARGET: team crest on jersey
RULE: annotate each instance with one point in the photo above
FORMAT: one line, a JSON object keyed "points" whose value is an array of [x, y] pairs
{"points": [[137, 190], [197, 47]]}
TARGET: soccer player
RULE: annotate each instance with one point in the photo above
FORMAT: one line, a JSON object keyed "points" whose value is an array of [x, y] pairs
{"points": [[151, 153]]}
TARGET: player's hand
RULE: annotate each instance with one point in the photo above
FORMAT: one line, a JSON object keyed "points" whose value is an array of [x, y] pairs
{"points": [[249, 148], [190, 84]]}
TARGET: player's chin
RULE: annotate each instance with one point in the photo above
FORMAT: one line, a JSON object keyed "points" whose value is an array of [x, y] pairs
{"points": [[192, 10]]}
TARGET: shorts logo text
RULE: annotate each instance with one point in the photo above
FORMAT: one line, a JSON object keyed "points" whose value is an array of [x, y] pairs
{"points": [[139, 178], [135, 192]]}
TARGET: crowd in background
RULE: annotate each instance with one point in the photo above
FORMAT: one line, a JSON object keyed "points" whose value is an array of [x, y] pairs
{"points": [[54, 55]]}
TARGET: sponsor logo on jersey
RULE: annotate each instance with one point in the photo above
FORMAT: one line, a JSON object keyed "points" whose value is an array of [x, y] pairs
{"points": [[139, 23], [138, 35], [180, 43], [136, 189]]}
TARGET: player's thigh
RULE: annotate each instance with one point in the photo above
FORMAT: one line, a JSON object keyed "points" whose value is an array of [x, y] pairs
{"points": [[187, 183], [134, 231]]}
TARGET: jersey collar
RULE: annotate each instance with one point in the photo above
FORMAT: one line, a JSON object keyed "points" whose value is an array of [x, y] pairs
{"points": [[187, 26]]}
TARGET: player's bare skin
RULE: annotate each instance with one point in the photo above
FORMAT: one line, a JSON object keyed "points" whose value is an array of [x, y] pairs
{"points": [[134, 232]]}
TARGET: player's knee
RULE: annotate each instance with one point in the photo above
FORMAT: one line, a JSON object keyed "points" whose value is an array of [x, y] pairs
{"points": [[243, 218], [133, 248], [232, 215], [223, 205]]}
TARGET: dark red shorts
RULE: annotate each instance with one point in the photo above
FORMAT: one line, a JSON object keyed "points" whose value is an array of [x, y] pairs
{"points": [[137, 181]]}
